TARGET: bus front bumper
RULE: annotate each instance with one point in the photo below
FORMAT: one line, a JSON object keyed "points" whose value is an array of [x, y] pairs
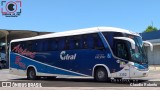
{"points": [[139, 73]]}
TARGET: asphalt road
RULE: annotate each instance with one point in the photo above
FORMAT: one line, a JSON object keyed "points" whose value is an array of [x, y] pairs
{"points": [[154, 77]]}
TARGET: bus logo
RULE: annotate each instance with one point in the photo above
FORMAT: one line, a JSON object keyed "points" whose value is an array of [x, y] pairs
{"points": [[11, 8], [18, 49], [64, 56]]}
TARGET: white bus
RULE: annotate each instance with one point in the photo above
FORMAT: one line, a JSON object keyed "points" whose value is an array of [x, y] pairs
{"points": [[100, 52]]}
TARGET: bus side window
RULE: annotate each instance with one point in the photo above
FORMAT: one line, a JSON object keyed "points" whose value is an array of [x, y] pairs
{"points": [[109, 37], [98, 42], [53, 45], [39, 46], [71, 42], [87, 41], [90, 41], [35, 46], [84, 40], [61, 43], [23, 45], [45, 45], [121, 50], [28, 45], [78, 42], [13, 45]]}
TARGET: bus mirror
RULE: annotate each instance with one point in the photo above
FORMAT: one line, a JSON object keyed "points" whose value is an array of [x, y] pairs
{"points": [[146, 43], [127, 39]]}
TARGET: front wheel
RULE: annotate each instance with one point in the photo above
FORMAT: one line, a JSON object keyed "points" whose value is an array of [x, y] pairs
{"points": [[31, 74], [101, 74]]}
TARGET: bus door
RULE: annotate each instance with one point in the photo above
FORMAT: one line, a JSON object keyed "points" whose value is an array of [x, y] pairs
{"points": [[121, 52]]}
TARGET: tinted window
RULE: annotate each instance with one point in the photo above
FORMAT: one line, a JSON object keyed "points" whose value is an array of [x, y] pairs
{"points": [[110, 37], [121, 50], [78, 42], [90, 41], [23, 44], [35, 46], [45, 45], [97, 42], [84, 41], [39, 46], [53, 44], [87, 41], [71, 43], [61, 43], [13, 45], [28, 45]]}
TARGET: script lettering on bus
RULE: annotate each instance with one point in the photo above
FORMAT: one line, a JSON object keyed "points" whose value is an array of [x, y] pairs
{"points": [[18, 49], [100, 56], [19, 63], [64, 56]]}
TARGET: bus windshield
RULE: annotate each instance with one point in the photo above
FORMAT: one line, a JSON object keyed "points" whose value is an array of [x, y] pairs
{"points": [[123, 49], [138, 54]]}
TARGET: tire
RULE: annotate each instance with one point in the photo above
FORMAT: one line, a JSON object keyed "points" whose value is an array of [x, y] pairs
{"points": [[31, 74], [101, 74]]}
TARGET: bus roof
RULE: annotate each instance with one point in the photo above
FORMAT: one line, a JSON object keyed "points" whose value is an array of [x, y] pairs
{"points": [[78, 32]]}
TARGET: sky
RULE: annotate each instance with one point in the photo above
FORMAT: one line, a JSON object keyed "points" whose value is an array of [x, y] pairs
{"points": [[63, 15]]}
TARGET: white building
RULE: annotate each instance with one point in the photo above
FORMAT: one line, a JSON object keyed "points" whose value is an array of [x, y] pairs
{"points": [[154, 38]]}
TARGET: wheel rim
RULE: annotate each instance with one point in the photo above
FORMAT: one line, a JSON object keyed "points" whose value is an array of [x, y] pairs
{"points": [[101, 74], [31, 74]]}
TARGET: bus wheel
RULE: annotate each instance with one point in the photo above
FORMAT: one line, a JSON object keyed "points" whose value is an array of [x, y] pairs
{"points": [[101, 74], [31, 74]]}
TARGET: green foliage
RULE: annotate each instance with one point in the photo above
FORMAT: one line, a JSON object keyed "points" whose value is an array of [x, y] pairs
{"points": [[150, 29]]}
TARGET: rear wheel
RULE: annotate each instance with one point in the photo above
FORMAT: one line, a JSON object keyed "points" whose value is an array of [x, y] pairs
{"points": [[31, 74], [101, 74]]}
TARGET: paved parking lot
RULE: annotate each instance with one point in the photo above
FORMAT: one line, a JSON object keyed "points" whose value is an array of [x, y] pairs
{"points": [[78, 83]]}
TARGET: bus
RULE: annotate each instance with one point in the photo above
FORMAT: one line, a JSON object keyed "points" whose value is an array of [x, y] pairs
{"points": [[102, 53]]}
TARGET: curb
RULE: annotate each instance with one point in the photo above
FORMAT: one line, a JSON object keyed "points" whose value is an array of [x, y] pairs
{"points": [[154, 68]]}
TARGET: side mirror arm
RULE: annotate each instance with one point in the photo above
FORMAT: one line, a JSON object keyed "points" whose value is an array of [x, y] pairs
{"points": [[127, 39], [147, 43]]}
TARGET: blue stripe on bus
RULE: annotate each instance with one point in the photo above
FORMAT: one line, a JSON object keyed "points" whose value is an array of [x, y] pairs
{"points": [[141, 66], [42, 68], [103, 40]]}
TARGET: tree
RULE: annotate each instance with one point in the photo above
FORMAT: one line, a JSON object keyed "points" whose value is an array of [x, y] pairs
{"points": [[150, 29]]}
